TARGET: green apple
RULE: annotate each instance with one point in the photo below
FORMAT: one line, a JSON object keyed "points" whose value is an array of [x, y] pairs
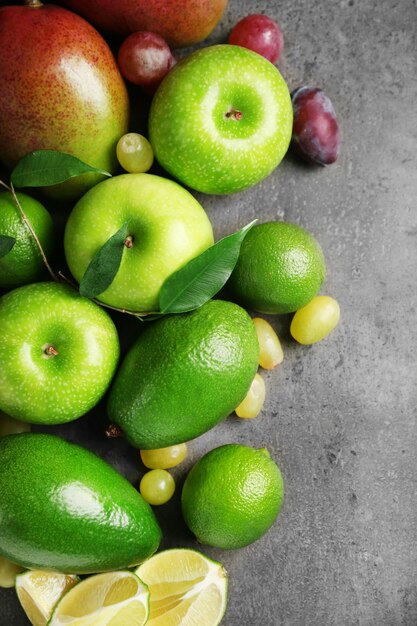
{"points": [[58, 353], [221, 120], [167, 228]]}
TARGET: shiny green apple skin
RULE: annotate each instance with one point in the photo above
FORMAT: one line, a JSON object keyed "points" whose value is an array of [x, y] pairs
{"points": [[167, 225], [221, 120], [43, 388]]}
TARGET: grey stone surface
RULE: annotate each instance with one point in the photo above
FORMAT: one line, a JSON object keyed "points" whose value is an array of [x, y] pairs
{"points": [[340, 417]]}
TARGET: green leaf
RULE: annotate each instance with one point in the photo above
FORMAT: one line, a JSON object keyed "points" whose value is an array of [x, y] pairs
{"points": [[104, 265], [6, 244], [201, 278], [42, 168]]}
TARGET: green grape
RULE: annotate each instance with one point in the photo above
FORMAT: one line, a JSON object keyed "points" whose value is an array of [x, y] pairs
{"points": [[254, 400], [314, 321], [270, 349], [164, 458], [157, 486], [134, 153]]}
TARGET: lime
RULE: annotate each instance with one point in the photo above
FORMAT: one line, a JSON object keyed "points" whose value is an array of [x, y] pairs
{"points": [[184, 374], [232, 496], [186, 588], [23, 264], [39, 591], [280, 268], [113, 598]]}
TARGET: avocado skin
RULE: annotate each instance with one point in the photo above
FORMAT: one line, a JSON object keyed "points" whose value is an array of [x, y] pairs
{"points": [[62, 508], [184, 374]]}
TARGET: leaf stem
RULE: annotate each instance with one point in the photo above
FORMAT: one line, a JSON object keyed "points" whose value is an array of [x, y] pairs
{"points": [[29, 226], [134, 313]]}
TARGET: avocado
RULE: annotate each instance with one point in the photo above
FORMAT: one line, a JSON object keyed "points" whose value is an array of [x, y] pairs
{"points": [[184, 374], [62, 508]]}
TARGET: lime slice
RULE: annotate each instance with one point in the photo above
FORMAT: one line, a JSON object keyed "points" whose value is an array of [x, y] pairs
{"points": [[39, 591], [110, 599], [187, 588]]}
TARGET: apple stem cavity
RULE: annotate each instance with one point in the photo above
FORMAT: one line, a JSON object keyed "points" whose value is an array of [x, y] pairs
{"points": [[128, 242], [234, 114], [114, 431], [50, 351]]}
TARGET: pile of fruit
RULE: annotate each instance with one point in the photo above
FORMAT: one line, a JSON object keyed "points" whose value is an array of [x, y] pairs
{"points": [[139, 244]]}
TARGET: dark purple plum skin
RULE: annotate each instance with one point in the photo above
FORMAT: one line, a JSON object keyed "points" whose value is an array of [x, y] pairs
{"points": [[316, 133]]}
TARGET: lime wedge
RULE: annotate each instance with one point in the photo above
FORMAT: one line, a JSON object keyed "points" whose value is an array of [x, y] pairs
{"points": [[110, 599], [39, 592], [186, 587]]}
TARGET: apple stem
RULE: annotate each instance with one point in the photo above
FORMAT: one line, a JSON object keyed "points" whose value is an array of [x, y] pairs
{"points": [[235, 114], [50, 350], [29, 226], [33, 3], [128, 242], [114, 431]]}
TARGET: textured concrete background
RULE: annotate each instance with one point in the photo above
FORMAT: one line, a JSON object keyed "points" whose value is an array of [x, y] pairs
{"points": [[340, 417]]}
